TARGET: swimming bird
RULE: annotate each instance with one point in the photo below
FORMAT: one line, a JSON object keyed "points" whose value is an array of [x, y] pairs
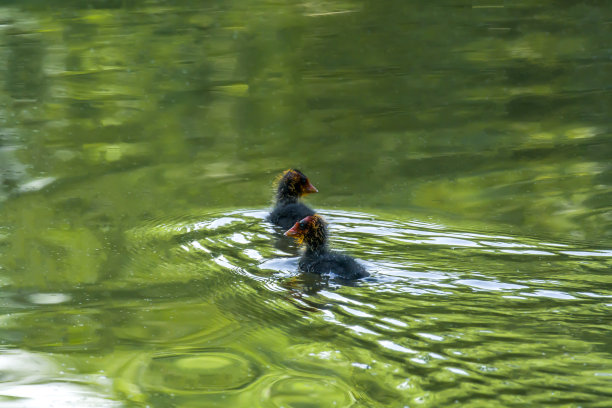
{"points": [[292, 184], [312, 230]]}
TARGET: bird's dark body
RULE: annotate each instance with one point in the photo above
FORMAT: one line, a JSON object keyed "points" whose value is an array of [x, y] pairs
{"points": [[332, 263], [285, 215], [317, 258]]}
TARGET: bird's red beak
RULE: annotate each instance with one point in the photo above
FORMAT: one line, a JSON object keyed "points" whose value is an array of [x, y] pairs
{"points": [[310, 188], [294, 231]]}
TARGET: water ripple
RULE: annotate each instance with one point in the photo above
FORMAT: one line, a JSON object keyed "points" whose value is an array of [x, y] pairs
{"points": [[199, 372], [441, 306]]}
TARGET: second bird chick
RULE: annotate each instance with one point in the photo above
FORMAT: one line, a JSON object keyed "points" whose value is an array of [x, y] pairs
{"points": [[317, 258]]}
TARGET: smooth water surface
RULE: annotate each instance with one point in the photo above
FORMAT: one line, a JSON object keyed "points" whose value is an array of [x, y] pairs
{"points": [[462, 152]]}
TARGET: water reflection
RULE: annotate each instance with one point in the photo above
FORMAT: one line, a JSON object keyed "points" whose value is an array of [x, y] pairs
{"points": [[461, 150], [33, 380]]}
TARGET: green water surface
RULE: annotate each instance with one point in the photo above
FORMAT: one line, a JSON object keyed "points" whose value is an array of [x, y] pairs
{"points": [[462, 150]]}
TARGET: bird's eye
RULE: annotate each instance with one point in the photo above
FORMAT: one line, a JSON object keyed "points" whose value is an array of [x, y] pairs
{"points": [[302, 225], [303, 180]]}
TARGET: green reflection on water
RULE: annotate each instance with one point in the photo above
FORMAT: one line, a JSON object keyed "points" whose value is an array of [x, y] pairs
{"points": [[461, 151]]}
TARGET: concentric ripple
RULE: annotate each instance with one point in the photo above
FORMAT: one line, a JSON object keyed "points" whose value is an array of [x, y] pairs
{"points": [[199, 372]]}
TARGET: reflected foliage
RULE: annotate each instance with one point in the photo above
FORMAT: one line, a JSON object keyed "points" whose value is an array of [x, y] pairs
{"points": [[461, 150]]}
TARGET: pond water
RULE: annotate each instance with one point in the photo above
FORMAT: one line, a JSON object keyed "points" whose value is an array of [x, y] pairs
{"points": [[461, 151]]}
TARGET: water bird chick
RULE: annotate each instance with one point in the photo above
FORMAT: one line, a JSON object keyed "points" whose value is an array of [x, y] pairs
{"points": [[317, 258], [291, 185]]}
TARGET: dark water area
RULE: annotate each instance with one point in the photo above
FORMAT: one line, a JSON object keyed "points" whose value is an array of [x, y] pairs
{"points": [[462, 154]]}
